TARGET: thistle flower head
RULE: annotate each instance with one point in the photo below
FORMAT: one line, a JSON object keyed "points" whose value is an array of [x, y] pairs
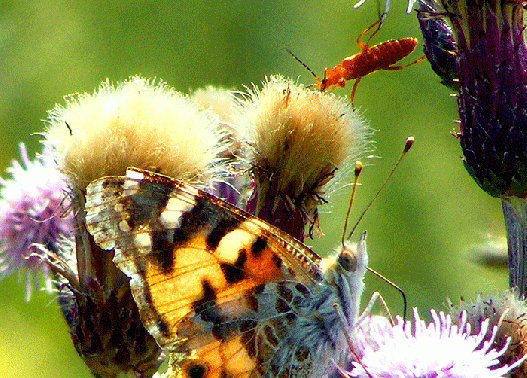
{"points": [[298, 140], [137, 123], [439, 46], [437, 349], [220, 101], [32, 212], [107, 332], [506, 312], [235, 187], [491, 65]]}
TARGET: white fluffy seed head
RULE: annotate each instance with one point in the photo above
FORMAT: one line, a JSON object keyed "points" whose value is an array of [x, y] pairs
{"points": [[220, 101], [299, 138], [137, 123]]}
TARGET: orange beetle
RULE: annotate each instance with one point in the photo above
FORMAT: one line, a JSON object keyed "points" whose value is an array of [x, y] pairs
{"points": [[370, 59]]}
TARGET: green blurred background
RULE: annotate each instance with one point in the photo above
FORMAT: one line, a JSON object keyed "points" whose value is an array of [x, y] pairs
{"points": [[421, 231]]}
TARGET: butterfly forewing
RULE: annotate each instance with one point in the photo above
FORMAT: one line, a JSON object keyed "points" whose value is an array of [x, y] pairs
{"points": [[186, 251]]}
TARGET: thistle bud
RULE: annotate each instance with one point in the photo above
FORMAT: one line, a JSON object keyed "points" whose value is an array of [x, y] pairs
{"points": [[492, 71], [439, 46]]}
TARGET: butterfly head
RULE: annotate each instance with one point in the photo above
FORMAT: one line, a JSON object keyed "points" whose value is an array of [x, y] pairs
{"points": [[349, 259], [344, 273]]}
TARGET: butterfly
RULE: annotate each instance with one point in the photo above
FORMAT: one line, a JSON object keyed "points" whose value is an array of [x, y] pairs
{"points": [[224, 293]]}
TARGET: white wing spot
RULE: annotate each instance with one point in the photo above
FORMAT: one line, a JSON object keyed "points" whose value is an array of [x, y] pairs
{"points": [[134, 175], [124, 226], [170, 217], [142, 240]]}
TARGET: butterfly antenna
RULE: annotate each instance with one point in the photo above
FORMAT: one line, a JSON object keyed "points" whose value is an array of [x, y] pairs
{"points": [[358, 169], [382, 16], [407, 146], [302, 63]]}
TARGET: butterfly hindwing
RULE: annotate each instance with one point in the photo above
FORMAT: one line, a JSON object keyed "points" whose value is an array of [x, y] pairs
{"points": [[256, 342]]}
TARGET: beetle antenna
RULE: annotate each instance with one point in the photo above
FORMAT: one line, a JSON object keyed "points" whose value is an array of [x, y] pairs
{"points": [[302, 63]]}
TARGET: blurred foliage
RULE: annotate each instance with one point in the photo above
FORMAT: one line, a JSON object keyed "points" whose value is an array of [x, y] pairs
{"points": [[421, 229]]}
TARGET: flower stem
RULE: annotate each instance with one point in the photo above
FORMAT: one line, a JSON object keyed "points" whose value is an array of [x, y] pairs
{"points": [[515, 215]]}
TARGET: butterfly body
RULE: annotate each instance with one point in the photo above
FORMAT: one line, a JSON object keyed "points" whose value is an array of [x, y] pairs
{"points": [[224, 293]]}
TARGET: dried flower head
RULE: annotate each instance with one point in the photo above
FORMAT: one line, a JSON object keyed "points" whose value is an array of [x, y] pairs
{"points": [[298, 140], [437, 349], [32, 212], [138, 123], [220, 101]]}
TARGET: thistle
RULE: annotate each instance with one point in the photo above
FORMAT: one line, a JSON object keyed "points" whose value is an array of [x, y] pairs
{"points": [[298, 140], [33, 210], [446, 347], [491, 71], [505, 311], [136, 123]]}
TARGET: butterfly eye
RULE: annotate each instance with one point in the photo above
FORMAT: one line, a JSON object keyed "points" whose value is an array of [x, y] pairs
{"points": [[347, 261]]}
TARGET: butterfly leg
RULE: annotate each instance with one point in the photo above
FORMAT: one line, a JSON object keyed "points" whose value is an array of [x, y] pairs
{"points": [[375, 297]]}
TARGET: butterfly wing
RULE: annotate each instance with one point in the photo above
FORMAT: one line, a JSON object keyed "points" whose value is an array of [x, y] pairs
{"points": [[196, 264]]}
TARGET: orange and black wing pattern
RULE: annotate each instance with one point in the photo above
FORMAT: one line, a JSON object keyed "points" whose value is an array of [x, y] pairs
{"points": [[213, 284]]}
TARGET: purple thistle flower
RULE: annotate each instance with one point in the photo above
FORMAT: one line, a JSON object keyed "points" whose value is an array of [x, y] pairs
{"points": [[32, 212], [508, 312], [421, 350], [492, 73], [439, 46], [491, 65]]}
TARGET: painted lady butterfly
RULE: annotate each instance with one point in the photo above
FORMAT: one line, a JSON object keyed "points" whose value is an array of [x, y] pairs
{"points": [[224, 293]]}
